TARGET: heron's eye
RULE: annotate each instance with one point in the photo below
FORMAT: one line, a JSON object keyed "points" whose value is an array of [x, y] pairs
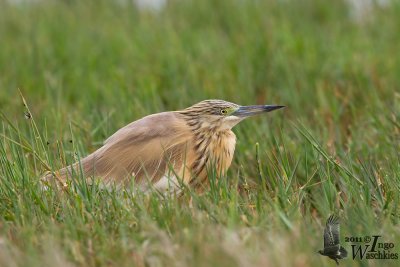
{"points": [[224, 111]]}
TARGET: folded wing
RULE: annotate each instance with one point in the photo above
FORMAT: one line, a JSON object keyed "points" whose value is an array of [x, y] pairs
{"points": [[144, 150]]}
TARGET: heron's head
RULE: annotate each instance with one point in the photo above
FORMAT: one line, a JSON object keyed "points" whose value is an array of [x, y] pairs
{"points": [[222, 115]]}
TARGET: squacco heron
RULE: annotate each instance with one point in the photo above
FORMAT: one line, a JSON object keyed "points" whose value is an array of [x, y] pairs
{"points": [[167, 149]]}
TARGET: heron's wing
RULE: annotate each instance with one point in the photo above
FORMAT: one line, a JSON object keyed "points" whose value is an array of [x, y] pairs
{"points": [[331, 232], [144, 149]]}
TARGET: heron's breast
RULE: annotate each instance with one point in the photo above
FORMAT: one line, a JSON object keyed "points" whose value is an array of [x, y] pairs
{"points": [[221, 150]]}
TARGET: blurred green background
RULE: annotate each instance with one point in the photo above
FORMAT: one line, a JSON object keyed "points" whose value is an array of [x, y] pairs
{"points": [[87, 68]]}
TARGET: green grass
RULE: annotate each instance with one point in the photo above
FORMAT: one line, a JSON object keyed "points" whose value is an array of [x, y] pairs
{"points": [[87, 68]]}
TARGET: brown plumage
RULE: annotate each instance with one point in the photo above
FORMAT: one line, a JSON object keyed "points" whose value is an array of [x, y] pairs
{"points": [[167, 148]]}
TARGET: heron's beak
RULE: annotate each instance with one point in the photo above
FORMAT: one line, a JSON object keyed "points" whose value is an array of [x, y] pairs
{"points": [[247, 111]]}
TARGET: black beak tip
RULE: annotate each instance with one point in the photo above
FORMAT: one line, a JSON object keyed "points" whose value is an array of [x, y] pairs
{"points": [[274, 107]]}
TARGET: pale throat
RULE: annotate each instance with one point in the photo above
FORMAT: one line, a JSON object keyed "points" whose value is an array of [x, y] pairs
{"points": [[219, 124]]}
